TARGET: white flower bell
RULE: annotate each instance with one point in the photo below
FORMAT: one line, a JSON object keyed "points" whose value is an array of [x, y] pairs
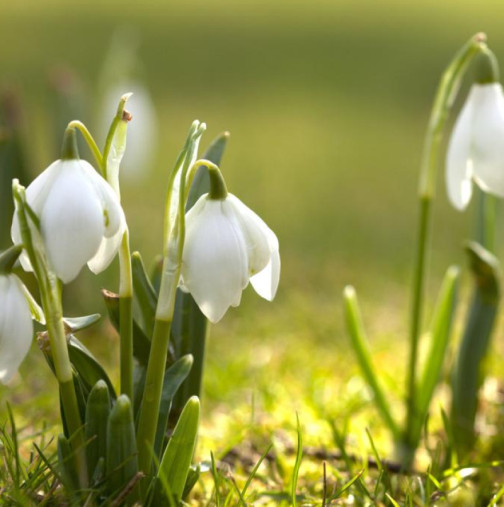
{"points": [[16, 328], [476, 147], [226, 245], [77, 209]]}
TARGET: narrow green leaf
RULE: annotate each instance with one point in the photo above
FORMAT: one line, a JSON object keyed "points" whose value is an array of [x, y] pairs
{"points": [[360, 345], [121, 460], [145, 295], [173, 378], [177, 457], [192, 478], [254, 471], [439, 338], [468, 373], [87, 366], [97, 414]]}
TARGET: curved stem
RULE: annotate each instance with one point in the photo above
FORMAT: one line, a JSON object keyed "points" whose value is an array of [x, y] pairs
{"points": [[445, 96], [89, 140]]}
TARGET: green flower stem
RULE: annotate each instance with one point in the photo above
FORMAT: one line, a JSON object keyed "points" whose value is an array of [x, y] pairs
{"points": [[445, 96], [218, 189], [50, 295], [126, 316], [75, 124], [486, 218], [147, 423], [172, 262]]}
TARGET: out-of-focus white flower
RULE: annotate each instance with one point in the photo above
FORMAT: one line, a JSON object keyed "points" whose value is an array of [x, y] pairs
{"points": [[476, 147], [16, 328], [226, 245], [77, 208]]}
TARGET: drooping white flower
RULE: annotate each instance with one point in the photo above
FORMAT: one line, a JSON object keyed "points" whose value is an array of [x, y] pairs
{"points": [[226, 245], [476, 147], [16, 328], [77, 208]]}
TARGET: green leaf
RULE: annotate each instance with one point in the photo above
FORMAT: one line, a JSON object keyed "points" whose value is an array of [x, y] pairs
{"points": [[89, 370], [173, 378], [121, 460], [468, 373], [74, 324], [141, 343], [67, 468], [439, 338], [97, 413], [145, 295], [174, 467], [360, 346]]}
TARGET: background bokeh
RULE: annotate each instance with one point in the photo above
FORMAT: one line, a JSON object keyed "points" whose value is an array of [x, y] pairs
{"points": [[327, 102]]}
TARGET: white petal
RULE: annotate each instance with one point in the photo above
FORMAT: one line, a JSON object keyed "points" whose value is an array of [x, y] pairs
{"points": [[72, 221], [36, 194], [458, 158], [265, 283], [106, 253], [488, 137], [16, 328], [255, 232], [214, 267], [114, 220]]}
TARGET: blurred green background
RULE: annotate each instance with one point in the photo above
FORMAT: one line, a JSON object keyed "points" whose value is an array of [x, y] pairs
{"points": [[327, 102]]}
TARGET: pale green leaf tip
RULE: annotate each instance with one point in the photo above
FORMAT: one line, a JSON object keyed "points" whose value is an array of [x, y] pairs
{"points": [[349, 292]]}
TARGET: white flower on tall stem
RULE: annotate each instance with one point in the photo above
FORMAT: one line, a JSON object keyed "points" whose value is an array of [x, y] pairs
{"points": [[226, 246], [76, 209], [476, 147]]}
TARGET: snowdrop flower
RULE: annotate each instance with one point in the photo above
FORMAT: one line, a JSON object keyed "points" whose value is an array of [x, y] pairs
{"points": [[77, 209], [476, 147], [16, 328], [226, 245]]}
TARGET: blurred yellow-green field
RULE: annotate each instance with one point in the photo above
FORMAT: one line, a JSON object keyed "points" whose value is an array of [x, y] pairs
{"points": [[327, 102]]}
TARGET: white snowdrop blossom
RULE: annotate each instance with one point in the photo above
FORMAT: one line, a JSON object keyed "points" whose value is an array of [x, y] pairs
{"points": [[226, 245], [77, 209], [16, 328], [476, 147]]}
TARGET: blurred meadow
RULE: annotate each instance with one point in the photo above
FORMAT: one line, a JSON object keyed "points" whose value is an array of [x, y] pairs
{"points": [[327, 102]]}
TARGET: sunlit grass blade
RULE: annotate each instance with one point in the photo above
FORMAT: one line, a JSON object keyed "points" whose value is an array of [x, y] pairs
{"points": [[360, 346], [174, 466], [439, 337], [467, 373], [254, 471], [297, 463]]}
